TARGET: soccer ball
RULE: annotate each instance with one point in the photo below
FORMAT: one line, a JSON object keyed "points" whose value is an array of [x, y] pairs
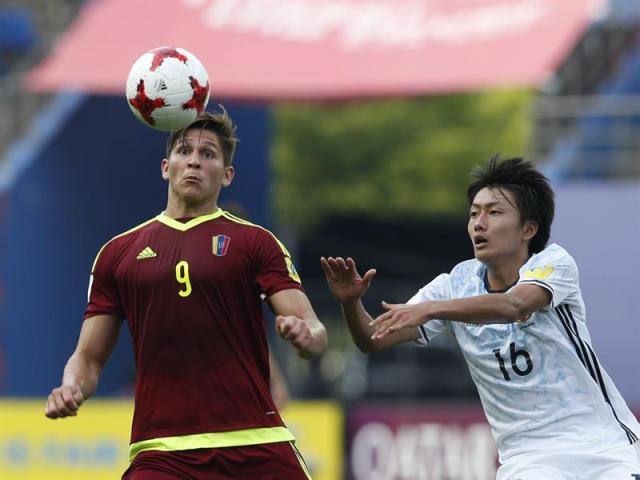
{"points": [[167, 88]]}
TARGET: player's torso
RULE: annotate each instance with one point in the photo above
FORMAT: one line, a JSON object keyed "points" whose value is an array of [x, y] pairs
{"points": [[192, 303], [205, 273], [533, 384]]}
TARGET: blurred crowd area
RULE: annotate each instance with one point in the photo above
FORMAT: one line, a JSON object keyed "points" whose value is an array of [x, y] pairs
{"points": [[586, 124], [28, 31]]}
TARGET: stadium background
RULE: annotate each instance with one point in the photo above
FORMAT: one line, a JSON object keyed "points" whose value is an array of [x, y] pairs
{"points": [[76, 168]]}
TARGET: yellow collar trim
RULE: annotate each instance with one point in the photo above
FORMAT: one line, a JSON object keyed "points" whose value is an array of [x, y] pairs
{"points": [[183, 227]]}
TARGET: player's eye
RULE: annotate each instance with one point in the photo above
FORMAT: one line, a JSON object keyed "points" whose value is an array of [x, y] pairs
{"points": [[473, 214], [494, 212]]}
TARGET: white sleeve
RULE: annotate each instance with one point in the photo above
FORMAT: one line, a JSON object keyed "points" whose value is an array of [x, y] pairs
{"points": [[437, 289], [556, 271]]}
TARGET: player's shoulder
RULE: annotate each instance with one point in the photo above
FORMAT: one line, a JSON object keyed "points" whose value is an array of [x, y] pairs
{"points": [[553, 254], [466, 269], [240, 223], [136, 230], [121, 240], [553, 260], [129, 234], [247, 227]]}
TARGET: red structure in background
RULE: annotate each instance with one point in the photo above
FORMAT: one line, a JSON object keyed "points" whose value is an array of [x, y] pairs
{"points": [[334, 49]]}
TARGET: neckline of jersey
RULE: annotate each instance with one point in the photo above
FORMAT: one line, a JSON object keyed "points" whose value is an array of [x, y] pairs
{"points": [[485, 279], [194, 222]]}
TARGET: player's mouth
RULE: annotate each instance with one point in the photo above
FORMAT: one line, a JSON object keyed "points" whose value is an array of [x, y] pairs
{"points": [[192, 179], [479, 242]]}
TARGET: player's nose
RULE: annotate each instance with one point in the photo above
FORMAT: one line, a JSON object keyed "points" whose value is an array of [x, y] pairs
{"points": [[194, 160], [480, 222]]}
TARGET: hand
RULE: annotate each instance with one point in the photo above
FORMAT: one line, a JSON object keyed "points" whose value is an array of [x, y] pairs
{"points": [[343, 279], [398, 317], [295, 331], [64, 401]]}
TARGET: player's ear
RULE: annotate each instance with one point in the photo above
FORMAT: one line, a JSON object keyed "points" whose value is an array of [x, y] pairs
{"points": [[529, 229], [229, 173], [164, 168]]}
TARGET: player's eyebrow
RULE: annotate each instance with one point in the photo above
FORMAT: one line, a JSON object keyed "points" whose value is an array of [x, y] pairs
{"points": [[488, 204], [210, 142]]}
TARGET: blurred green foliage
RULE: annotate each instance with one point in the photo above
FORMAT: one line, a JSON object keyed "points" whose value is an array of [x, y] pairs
{"points": [[400, 158]]}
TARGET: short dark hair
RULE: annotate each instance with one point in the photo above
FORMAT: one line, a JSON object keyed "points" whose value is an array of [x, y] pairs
{"points": [[219, 123], [531, 190]]}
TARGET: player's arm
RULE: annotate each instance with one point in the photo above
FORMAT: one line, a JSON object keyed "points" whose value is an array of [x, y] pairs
{"points": [[515, 305], [297, 323], [80, 379], [348, 288]]}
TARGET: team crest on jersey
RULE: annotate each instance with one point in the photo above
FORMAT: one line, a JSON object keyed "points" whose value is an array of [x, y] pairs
{"points": [[539, 273], [220, 244]]}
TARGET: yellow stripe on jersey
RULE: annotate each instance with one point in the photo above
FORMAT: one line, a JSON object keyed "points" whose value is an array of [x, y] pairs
{"points": [[118, 236], [293, 274], [301, 461], [183, 227], [539, 273], [235, 438]]}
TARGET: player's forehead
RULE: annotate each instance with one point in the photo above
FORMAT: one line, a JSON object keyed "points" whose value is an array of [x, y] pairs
{"points": [[489, 196], [198, 136]]}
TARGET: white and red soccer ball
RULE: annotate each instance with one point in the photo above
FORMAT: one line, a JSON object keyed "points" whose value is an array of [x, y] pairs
{"points": [[167, 88]]}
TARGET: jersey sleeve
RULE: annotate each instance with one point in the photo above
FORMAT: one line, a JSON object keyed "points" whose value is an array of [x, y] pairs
{"points": [[437, 289], [554, 270], [103, 294], [276, 271]]}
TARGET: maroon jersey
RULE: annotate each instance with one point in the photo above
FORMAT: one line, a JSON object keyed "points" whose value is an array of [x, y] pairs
{"points": [[191, 295]]}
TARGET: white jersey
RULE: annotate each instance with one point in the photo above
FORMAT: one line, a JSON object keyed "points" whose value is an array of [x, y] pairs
{"points": [[540, 382]]}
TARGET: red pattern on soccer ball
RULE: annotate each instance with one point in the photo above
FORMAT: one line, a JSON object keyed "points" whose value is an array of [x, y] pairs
{"points": [[161, 53], [144, 104], [199, 95]]}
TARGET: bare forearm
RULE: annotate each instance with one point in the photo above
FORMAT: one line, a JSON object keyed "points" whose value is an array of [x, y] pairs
{"points": [[358, 321], [83, 372], [486, 309], [318, 343]]}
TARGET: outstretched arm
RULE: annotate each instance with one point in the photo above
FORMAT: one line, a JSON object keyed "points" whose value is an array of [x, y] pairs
{"points": [[515, 305], [97, 339], [297, 323], [348, 288]]}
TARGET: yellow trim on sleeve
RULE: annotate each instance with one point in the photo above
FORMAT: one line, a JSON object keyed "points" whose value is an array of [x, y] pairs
{"points": [[118, 236], [235, 438], [293, 274]]}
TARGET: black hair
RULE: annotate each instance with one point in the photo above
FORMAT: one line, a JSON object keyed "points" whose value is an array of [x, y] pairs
{"points": [[531, 190]]}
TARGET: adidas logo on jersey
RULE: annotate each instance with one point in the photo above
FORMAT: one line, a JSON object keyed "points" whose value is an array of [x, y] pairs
{"points": [[146, 253]]}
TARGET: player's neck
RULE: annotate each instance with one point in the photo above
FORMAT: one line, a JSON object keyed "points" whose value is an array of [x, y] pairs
{"points": [[178, 209], [502, 275]]}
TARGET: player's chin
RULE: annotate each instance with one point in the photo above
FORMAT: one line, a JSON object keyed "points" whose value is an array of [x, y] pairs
{"points": [[481, 254]]}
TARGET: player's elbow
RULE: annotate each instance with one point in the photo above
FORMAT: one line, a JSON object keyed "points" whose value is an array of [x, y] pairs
{"points": [[514, 309]]}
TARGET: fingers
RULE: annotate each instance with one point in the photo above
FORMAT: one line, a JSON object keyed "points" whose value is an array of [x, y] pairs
{"points": [[387, 322], [369, 276], [294, 330], [338, 267], [64, 402]]}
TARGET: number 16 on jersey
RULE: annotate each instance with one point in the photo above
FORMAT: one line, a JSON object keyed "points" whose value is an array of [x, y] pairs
{"points": [[515, 354]]}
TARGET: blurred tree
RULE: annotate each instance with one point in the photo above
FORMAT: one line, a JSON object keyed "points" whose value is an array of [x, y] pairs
{"points": [[395, 158]]}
